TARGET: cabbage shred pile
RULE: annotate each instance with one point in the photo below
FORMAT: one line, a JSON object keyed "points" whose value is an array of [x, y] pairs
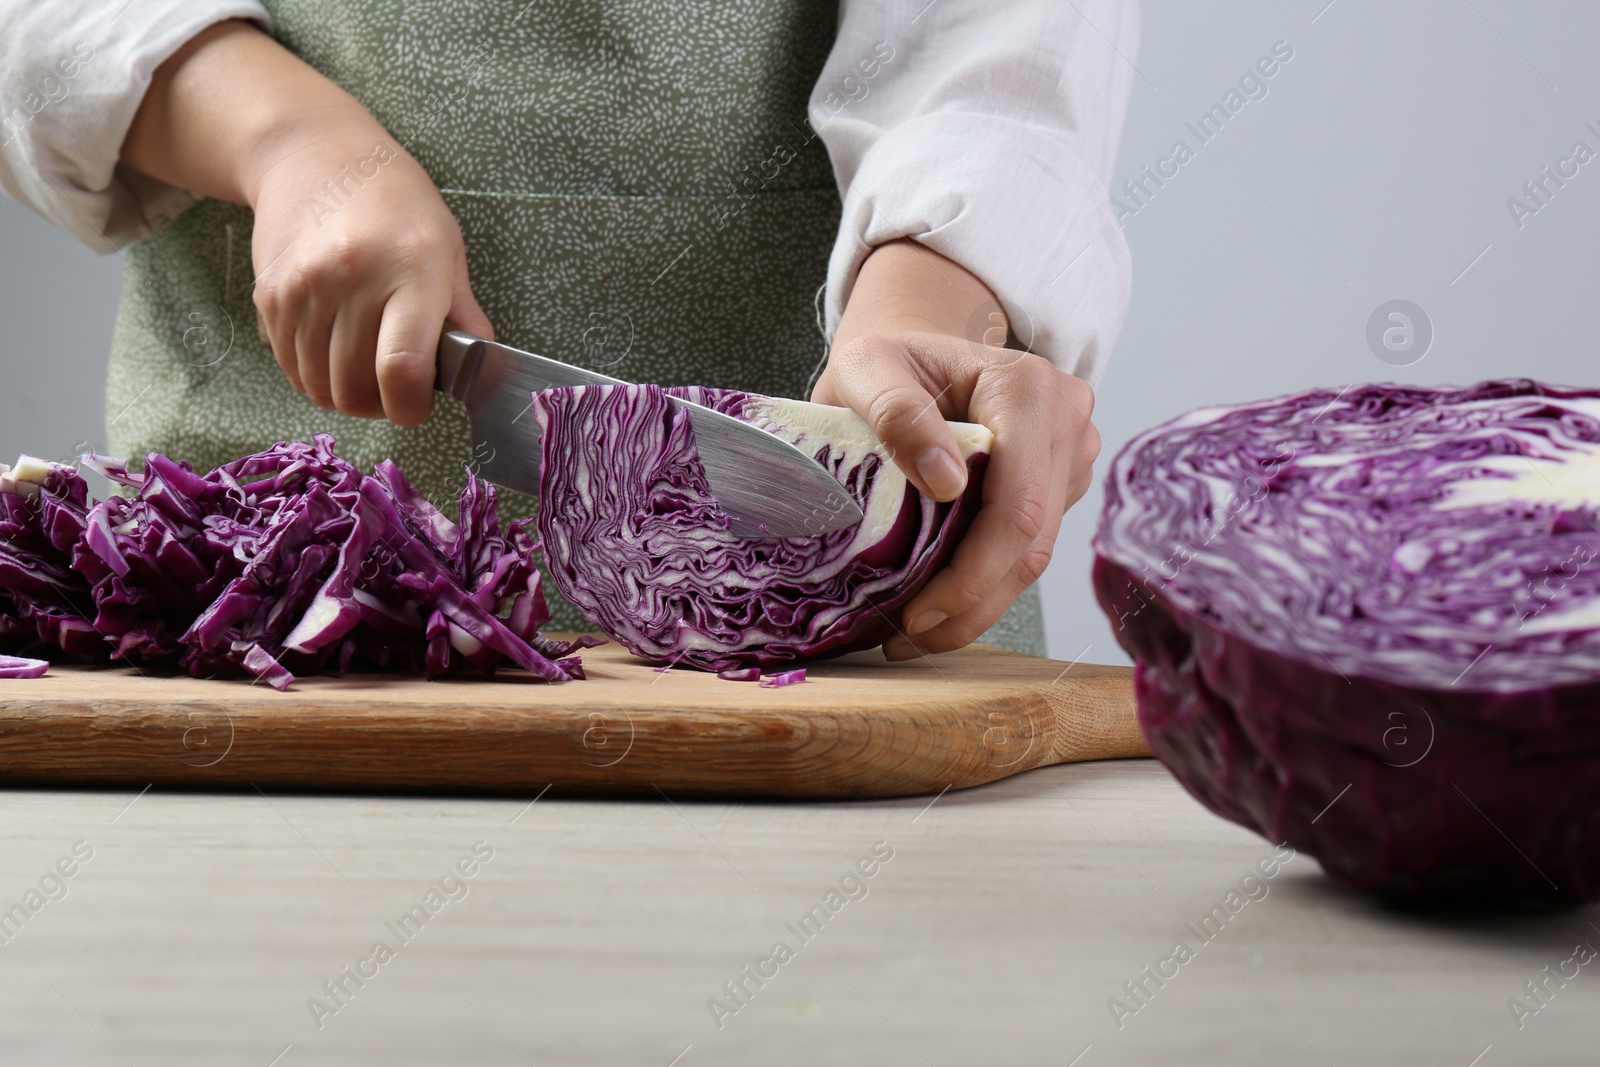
{"points": [[45, 606], [286, 562]]}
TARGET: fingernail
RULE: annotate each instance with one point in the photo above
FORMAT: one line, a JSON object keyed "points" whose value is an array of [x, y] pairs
{"points": [[927, 620], [943, 475]]}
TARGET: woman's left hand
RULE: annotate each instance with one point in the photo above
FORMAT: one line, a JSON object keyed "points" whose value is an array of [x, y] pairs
{"points": [[921, 341]]}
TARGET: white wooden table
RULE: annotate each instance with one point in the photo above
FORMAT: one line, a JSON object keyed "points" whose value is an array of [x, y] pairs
{"points": [[599, 930]]}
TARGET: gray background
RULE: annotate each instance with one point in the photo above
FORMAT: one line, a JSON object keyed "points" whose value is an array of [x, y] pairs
{"points": [[1377, 167]]}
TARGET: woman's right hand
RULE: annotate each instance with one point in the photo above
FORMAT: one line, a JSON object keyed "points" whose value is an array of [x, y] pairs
{"points": [[359, 263]]}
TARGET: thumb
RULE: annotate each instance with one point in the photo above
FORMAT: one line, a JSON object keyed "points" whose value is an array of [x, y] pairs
{"points": [[871, 376], [464, 313]]}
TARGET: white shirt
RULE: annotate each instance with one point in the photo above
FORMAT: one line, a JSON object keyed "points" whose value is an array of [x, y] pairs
{"points": [[985, 131]]}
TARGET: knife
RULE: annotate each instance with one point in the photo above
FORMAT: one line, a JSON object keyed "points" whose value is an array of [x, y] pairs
{"points": [[767, 486]]}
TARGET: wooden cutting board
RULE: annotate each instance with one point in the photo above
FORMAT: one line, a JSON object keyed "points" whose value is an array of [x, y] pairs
{"points": [[858, 727]]}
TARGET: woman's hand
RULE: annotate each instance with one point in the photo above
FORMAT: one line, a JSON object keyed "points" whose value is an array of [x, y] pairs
{"points": [[355, 285], [359, 263], [922, 341]]}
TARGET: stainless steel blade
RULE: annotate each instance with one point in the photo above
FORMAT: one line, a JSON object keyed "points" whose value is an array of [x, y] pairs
{"points": [[766, 485]]}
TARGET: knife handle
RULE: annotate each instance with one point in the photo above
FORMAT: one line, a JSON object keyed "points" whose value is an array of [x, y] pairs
{"points": [[459, 358]]}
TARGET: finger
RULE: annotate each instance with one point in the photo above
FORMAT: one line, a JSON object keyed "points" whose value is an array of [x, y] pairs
{"points": [[1023, 494], [275, 326], [284, 352], [874, 378], [975, 622], [408, 345], [1073, 453], [464, 313], [968, 626], [312, 334], [1082, 465], [1076, 454], [352, 360], [1067, 455], [824, 391]]}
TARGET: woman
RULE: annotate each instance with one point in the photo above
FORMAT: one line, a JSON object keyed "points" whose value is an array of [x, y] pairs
{"points": [[309, 192]]}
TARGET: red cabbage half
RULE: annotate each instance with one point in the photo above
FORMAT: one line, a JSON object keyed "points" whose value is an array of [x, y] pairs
{"points": [[634, 539], [1368, 624]]}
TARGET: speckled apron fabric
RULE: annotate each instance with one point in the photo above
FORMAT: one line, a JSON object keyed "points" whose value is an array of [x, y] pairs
{"points": [[637, 187]]}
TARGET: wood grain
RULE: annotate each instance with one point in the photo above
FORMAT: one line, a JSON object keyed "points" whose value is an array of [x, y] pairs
{"points": [[858, 727]]}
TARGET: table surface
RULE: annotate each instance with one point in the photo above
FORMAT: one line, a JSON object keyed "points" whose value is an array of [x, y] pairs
{"points": [[599, 932]]}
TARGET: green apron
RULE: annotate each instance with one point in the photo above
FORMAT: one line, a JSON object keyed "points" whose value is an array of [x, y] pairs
{"points": [[637, 187]]}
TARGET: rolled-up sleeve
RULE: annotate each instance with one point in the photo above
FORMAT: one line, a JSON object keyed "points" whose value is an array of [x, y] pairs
{"points": [[987, 132], [72, 76]]}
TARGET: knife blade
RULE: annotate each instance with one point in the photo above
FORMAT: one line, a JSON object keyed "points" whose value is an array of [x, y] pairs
{"points": [[767, 486]]}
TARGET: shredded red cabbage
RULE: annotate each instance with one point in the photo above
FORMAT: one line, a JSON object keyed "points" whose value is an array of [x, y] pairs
{"points": [[285, 562], [45, 605], [22, 667], [772, 681]]}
